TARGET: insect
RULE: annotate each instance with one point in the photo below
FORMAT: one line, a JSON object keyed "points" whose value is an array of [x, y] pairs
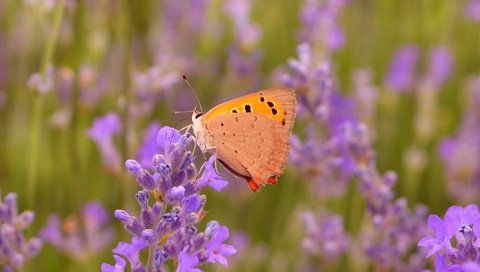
{"points": [[250, 135]]}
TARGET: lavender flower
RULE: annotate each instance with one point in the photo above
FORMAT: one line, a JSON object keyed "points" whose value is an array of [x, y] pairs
{"points": [[324, 155], [15, 249], [472, 10], [102, 132], [337, 148], [440, 66], [325, 238], [167, 225], [92, 85], [401, 74], [461, 153], [320, 24], [365, 96], [42, 83], [455, 243], [243, 57], [81, 237], [64, 83], [149, 146]]}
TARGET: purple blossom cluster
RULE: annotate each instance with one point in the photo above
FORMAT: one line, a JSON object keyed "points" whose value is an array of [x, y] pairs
{"points": [[324, 155], [472, 10], [80, 237], [92, 85], [320, 24], [103, 130], [15, 248], [455, 242], [325, 238], [243, 54], [403, 73], [171, 206], [337, 149], [461, 153]]}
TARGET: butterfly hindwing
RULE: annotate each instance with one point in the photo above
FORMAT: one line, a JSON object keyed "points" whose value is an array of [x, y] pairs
{"points": [[252, 145]]}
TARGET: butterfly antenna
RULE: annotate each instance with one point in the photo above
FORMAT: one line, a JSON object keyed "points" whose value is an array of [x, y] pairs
{"points": [[193, 91], [179, 112]]}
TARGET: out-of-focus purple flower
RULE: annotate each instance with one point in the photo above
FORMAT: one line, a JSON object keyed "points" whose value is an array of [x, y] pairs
{"points": [[324, 238], [15, 249], [337, 149], [313, 82], [168, 226], [244, 57], [365, 96], [80, 237], [154, 83], [92, 85], [103, 130], [456, 239], [401, 75], [42, 83], [149, 146], [247, 33], [472, 10], [64, 83], [320, 24], [440, 66], [461, 153]]}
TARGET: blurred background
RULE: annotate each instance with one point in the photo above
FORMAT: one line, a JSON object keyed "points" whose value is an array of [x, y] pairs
{"points": [[389, 98]]}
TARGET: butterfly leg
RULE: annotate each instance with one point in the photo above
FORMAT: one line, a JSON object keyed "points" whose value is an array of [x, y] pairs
{"points": [[213, 150], [186, 128]]}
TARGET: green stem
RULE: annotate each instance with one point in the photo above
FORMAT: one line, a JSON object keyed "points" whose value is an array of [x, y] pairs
{"points": [[32, 173], [124, 34]]}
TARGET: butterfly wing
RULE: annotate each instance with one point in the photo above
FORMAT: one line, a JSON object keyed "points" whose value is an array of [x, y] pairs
{"points": [[277, 104], [251, 145]]}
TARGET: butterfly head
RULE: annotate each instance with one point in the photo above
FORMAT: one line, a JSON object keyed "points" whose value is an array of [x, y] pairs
{"points": [[201, 134], [196, 118]]}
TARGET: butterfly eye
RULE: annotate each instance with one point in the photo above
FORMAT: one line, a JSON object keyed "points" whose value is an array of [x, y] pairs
{"points": [[198, 115]]}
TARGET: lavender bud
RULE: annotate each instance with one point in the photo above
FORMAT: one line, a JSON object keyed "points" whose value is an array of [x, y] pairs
{"points": [[142, 199], [148, 235], [134, 227], [156, 209], [148, 219], [122, 216], [24, 219], [34, 246], [134, 167], [175, 194], [160, 258]]}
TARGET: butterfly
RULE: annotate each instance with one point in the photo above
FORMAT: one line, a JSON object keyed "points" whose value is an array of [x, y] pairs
{"points": [[250, 135]]}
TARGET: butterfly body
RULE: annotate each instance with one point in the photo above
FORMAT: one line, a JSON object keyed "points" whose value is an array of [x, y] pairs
{"points": [[250, 134]]}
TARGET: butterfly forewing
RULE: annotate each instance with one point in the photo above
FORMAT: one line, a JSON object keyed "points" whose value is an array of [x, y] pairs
{"points": [[277, 104]]}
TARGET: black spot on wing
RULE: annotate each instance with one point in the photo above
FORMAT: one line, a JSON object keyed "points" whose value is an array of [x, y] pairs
{"points": [[248, 108]]}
